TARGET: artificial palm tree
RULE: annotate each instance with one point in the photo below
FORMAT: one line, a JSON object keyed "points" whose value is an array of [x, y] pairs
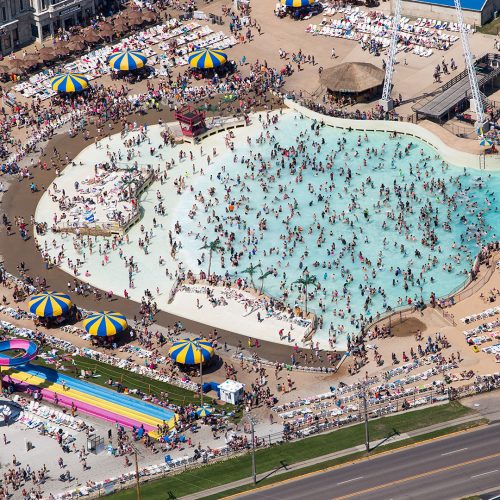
{"points": [[305, 281], [251, 271], [213, 246], [262, 277]]}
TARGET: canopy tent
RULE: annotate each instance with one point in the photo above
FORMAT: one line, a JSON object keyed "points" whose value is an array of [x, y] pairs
{"points": [[127, 60], [49, 304], [70, 82], [191, 351], [105, 323], [207, 58]]}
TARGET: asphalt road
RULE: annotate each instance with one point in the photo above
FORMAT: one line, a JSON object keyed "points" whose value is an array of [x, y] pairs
{"points": [[444, 469]]}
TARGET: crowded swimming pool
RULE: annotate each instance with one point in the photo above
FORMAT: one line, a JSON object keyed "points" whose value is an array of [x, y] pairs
{"points": [[378, 221]]}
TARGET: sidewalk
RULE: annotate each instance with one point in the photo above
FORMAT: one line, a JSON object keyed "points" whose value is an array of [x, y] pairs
{"points": [[332, 456]]}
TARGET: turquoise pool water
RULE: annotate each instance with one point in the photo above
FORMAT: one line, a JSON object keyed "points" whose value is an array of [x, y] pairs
{"points": [[377, 220]]}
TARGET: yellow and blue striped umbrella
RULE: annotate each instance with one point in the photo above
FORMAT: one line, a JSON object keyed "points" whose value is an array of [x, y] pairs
{"points": [[191, 351], [105, 323], [70, 82], [204, 411], [206, 58], [296, 3], [49, 304], [127, 60]]}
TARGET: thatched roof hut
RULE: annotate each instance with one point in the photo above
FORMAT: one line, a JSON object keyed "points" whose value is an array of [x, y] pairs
{"points": [[358, 78]]}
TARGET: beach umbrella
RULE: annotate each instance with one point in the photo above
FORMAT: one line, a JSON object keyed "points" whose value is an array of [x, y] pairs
{"points": [[105, 323], [121, 24], [207, 58], [104, 25], [69, 82], [191, 351], [18, 64], [76, 45], [31, 59], [204, 411], [49, 304], [296, 3], [107, 31], [135, 20], [127, 60], [46, 54], [91, 36], [150, 16], [485, 141], [76, 38], [61, 50]]}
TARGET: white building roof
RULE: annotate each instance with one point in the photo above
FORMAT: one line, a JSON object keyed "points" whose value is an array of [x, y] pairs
{"points": [[231, 386]]}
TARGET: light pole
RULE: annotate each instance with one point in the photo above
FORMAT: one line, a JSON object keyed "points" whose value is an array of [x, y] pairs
{"points": [[254, 467], [137, 474], [365, 408], [197, 344]]}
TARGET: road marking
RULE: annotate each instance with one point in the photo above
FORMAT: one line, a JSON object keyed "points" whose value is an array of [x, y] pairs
{"points": [[350, 480], [417, 476], [454, 451], [484, 473]]}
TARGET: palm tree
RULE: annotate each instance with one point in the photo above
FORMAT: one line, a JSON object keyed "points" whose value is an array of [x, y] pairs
{"points": [[213, 246], [305, 281], [262, 277], [251, 271]]}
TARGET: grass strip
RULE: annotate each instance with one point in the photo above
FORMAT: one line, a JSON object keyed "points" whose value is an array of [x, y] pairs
{"points": [[348, 458], [176, 395], [268, 459]]}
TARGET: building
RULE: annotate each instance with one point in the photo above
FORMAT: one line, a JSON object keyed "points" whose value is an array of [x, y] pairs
{"points": [[15, 24], [475, 12], [52, 15], [360, 81], [23, 21]]}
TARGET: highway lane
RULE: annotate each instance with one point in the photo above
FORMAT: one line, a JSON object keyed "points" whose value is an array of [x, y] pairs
{"points": [[442, 469]]}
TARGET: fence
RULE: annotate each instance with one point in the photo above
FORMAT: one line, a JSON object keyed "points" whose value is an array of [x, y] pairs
{"points": [[468, 288], [482, 384]]}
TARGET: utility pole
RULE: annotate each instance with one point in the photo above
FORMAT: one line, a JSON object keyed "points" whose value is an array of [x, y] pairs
{"points": [[197, 344], [254, 466], [365, 406], [137, 475]]}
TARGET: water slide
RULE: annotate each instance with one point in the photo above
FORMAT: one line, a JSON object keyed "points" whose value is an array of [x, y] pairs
{"points": [[28, 349], [89, 398]]}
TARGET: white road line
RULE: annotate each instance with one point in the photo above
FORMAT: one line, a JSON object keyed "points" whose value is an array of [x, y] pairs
{"points": [[484, 473], [451, 452], [350, 480]]}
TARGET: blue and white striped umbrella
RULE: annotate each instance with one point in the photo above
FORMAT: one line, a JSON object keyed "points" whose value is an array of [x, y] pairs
{"points": [[204, 411], [127, 60], [191, 351], [207, 58], [105, 323], [49, 304], [70, 82], [485, 141]]}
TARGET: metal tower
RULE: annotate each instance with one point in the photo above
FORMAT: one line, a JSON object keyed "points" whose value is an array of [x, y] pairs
{"points": [[386, 102], [469, 63]]}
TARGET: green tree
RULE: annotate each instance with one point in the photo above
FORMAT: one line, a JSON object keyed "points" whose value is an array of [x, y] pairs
{"points": [[306, 281], [213, 246]]}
